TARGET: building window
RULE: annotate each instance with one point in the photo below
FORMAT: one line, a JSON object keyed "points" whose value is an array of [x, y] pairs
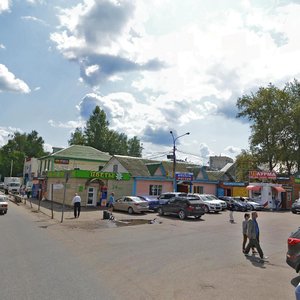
{"points": [[115, 168], [198, 189], [155, 190]]}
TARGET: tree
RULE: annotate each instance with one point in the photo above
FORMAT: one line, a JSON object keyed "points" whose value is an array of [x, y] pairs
{"points": [[134, 147], [264, 110], [18, 147], [96, 130], [98, 135], [245, 162], [77, 138], [275, 125]]}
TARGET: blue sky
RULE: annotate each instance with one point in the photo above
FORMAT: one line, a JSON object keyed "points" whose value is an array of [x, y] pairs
{"points": [[152, 66]]}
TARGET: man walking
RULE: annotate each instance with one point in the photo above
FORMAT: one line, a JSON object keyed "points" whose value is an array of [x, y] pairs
{"points": [[253, 235], [77, 205]]}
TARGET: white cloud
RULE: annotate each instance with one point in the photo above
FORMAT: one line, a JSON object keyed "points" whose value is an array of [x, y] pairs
{"points": [[2, 46], [5, 133], [9, 83], [34, 19], [69, 124], [4, 5]]}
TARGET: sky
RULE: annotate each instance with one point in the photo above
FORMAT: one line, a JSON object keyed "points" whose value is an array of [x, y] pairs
{"points": [[153, 66]]}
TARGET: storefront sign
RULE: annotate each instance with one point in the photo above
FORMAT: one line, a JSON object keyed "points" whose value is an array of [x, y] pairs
{"points": [[61, 161], [58, 186], [89, 175], [184, 176], [262, 175], [234, 184]]}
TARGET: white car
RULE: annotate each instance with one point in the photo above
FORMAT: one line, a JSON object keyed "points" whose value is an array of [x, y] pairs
{"points": [[222, 202], [254, 205], [211, 205], [3, 205]]}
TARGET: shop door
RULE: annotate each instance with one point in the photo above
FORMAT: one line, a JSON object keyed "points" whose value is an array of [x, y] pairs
{"points": [[92, 196]]}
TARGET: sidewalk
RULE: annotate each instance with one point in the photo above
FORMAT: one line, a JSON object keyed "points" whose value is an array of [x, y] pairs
{"points": [[90, 217]]}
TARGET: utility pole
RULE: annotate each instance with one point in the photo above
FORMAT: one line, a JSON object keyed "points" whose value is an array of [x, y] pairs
{"points": [[174, 158]]}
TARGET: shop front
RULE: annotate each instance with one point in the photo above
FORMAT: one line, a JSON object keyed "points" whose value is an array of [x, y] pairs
{"points": [[92, 186]]}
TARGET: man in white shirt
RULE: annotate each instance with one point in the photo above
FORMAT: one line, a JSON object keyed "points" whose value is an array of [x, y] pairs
{"points": [[77, 205]]}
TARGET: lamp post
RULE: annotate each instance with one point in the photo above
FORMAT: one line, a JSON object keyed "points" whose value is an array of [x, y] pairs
{"points": [[174, 157]]}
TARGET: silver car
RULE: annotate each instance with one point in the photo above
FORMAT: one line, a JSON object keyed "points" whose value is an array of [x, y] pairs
{"points": [[131, 204]]}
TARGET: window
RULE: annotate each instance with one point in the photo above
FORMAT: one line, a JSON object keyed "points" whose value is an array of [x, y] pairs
{"points": [[115, 168], [155, 190], [198, 189]]}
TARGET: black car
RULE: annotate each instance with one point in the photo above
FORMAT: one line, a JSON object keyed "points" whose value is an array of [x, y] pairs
{"points": [[237, 206], [293, 253], [164, 197], [296, 206], [183, 207]]}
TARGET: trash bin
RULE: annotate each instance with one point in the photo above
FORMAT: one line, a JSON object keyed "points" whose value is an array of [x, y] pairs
{"points": [[106, 215]]}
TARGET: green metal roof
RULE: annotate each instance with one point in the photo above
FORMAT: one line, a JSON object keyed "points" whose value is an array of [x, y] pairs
{"points": [[79, 152]]}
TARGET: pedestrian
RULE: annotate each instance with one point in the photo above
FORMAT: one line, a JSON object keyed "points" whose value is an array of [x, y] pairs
{"points": [[297, 291], [231, 209], [111, 202], [77, 205], [253, 236], [245, 237]]}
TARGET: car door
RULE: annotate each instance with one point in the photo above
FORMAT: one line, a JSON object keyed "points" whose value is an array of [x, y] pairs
{"points": [[177, 205]]}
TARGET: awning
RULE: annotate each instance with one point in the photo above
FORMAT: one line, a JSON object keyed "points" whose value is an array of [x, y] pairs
{"points": [[279, 188], [253, 187]]}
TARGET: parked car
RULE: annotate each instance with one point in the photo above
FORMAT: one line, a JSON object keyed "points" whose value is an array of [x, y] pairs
{"points": [[244, 205], [3, 205], [131, 204], [237, 206], [296, 206], [183, 207], [293, 253], [153, 202], [253, 204], [222, 202], [164, 197], [211, 205]]}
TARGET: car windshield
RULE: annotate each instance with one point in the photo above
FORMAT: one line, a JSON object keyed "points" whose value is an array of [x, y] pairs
{"points": [[14, 184], [212, 197], [194, 201], [137, 199]]}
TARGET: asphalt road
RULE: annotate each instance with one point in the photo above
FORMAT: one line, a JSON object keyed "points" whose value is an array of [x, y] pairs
{"points": [[193, 259]]}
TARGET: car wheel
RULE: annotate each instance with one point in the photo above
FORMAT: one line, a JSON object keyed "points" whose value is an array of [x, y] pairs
{"points": [[130, 210], [294, 212], [160, 211], [181, 215], [206, 209]]}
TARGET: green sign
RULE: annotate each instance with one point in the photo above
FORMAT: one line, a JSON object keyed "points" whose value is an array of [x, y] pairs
{"points": [[90, 174]]}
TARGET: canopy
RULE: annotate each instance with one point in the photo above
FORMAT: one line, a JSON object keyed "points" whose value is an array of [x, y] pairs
{"points": [[253, 187], [279, 188]]}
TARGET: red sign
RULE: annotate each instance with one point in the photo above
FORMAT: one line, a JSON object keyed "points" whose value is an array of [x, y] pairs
{"points": [[262, 175]]}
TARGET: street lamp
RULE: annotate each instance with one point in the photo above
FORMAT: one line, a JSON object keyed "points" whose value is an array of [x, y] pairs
{"points": [[174, 157]]}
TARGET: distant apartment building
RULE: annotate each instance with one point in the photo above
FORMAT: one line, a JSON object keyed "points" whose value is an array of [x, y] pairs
{"points": [[219, 162]]}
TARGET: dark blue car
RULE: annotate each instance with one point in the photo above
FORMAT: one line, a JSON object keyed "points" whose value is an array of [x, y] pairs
{"points": [[152, 201]]}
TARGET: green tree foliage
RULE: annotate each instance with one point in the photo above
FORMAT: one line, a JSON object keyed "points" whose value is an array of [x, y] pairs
{"points": [[134, 147], [18, 147], [272, 113], [77, 137], [245, 162], [98, 135]]}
